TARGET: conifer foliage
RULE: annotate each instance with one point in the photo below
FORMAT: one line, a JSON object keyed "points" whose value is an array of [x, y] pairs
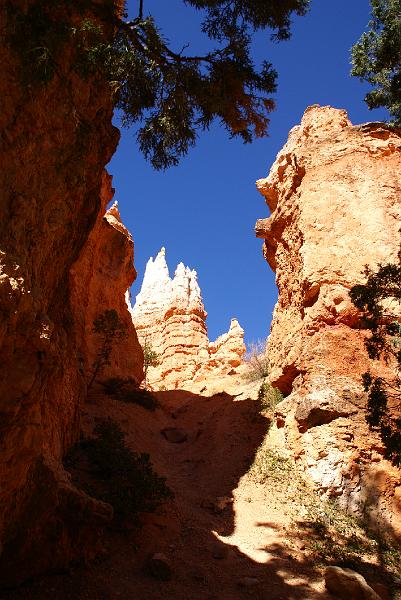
{"points": [[380, 302], [376, 57], [170, 93], [177, 94]]}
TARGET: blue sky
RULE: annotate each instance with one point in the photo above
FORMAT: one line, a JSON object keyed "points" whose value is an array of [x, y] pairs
{"points": [[204, 210]]}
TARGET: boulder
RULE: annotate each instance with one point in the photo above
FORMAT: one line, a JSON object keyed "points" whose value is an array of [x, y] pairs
{"points": [[348, 584], [315, 410], [159, 567], [174, 435]]}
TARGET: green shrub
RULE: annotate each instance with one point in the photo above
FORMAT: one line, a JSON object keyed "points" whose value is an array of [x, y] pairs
{"points": [[38, 39], [116, 474], [150, 359], [268, 464], [269, 396]]}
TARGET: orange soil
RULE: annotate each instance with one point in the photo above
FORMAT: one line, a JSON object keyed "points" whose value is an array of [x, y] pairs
{"points": [[212, 553]]}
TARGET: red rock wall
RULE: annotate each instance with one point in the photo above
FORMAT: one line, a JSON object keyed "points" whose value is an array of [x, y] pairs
{"points": [[100, 278], [335, 198], [55, 140]]}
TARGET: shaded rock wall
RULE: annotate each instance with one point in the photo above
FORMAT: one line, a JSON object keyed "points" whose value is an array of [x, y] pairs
{"points": [[100, 279], [56, 138], [335, 198], [169, 314]]}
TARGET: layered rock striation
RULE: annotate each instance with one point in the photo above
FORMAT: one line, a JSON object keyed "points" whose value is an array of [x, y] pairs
{"points": [[334, 193], [169, 316]]}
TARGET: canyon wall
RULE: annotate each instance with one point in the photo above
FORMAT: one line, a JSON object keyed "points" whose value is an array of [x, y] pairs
{"points": [[56, 138], [100, 279], [169, 315], [334, 193]]}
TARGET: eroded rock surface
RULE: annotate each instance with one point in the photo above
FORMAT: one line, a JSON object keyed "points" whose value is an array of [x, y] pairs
{"points": [[170, 316], [56, 138], [349, 585], [100, 279], [335, 198]]}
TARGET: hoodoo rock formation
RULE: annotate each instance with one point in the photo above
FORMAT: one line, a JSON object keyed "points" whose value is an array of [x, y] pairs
{"points": [[56, 140], [170, 316], [335, 198]]}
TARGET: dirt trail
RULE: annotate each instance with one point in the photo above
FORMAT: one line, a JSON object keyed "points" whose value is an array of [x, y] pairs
{"points": [[236, 552]]}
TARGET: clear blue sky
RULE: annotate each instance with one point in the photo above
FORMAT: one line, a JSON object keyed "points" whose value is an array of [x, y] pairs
{"points": [[204, 210]]}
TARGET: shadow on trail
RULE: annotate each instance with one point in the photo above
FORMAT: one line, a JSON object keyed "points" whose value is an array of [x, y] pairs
{"points": [[221, 439]]}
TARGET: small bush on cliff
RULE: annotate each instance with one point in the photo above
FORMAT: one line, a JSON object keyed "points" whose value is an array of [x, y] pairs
{"points": [[268, 396], [116, 475], [256, 361], [258, 370], [126, 390], [150, 359], [109, 329], [379, 301]]}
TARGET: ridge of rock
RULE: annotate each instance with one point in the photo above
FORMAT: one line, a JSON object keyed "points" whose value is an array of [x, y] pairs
{"points": [[170, 315], [334, 193]]}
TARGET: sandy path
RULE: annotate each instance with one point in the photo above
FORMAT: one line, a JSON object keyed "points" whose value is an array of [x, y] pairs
{"points": [[241, 551]]}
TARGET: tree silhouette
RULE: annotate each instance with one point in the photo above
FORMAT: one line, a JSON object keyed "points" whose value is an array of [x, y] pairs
{"points": [[150, 359], [171, 93], [376, 57], [379, 300]]}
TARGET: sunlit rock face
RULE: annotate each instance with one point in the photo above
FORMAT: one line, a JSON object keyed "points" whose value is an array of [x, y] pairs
{"points": [[57, 137], [169, 315], [334, 193]]}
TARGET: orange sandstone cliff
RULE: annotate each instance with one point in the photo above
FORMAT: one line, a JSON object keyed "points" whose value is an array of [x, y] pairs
{"points": [[100, 279], [56, 138], [335, 198], [170, 316]]}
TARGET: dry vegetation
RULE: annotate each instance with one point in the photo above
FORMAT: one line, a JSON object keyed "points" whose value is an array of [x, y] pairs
{"points": [[257, 364], [256, 361], [329, 534]]}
